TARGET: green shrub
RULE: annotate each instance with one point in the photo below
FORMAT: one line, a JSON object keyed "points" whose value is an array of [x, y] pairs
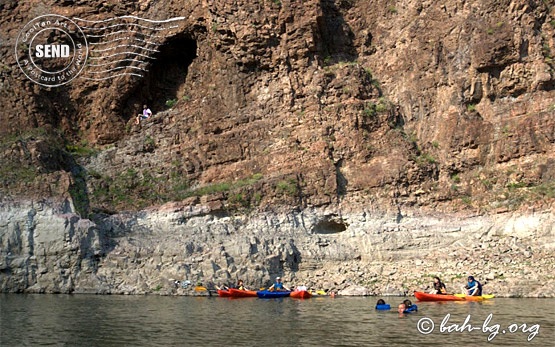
{"points": [[467, 200], [516, 185], [212, 189], [427, 158], [238, 199], [81, 149], [257, 198], [383, 105], [288, 187], [149, 141], [369, 110], [171, 102]]}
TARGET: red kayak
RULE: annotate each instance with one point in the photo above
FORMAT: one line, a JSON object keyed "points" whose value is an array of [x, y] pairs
{"points": [[301, 294], [224, 293], [421, 296], [236, 293]]}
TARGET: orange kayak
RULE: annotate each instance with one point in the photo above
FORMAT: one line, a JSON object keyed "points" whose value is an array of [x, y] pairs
{"points": [[301, 294], [224, 293], [421, 296], [236, 293]]}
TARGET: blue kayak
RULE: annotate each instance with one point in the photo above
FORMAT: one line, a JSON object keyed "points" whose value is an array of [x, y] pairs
{"points": [[266, 294]]}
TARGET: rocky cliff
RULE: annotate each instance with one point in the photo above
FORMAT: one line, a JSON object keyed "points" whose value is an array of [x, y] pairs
{"points": [[344, 144], [354, 252]]}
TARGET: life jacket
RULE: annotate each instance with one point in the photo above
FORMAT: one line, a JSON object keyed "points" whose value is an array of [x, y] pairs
{"points": [[440, 288], [383, 307], [473, 284], [479, 291]]}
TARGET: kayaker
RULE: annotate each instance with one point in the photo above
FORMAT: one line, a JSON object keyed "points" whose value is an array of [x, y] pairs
{"points": [[407, 307], [381, 305], [240, 285], [439, 287], [278, 286], [473, 287]]}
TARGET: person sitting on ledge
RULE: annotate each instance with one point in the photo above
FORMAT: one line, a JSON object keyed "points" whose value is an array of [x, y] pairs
{"points": [[147, 113]]}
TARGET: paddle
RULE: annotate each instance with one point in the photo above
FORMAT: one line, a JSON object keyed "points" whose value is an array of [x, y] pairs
{"points": [[199, 289]]}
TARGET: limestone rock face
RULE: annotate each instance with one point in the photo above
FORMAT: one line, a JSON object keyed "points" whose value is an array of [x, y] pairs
{"points": [[350, 252], [43, 250]]}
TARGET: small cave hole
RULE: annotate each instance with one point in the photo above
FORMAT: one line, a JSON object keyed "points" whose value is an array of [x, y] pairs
{"points": [[329, 227]]}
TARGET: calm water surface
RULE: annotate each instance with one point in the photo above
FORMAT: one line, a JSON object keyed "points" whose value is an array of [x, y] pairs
{"points": [[87, 320]]}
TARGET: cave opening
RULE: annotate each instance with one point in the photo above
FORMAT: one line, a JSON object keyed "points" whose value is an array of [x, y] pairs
{"points": [[330, 227], [163, 85]]}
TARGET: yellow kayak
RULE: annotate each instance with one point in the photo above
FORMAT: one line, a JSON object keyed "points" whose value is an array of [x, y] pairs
{"points": [[475, 297]]}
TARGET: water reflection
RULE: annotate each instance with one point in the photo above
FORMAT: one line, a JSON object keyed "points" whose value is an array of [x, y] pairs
{"points": [[83, 320]]}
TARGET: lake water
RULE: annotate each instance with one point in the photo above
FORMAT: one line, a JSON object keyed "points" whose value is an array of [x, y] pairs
{"points": [[88, 320]]}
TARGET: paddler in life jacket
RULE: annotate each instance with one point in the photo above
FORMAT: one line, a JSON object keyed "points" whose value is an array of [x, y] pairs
{"points": [[278, 286], [240, 285], [439, 287], [473, 287], [407, 307]]}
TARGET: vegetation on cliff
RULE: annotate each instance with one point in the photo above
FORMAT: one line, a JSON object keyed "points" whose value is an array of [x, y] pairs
{"points": [[419, 104]]}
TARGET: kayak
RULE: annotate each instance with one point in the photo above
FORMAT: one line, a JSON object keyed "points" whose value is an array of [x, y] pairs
{"points": [[236, 293], [266, 294], [421, 296], [301, 294], [475, 297], [224, 293]]}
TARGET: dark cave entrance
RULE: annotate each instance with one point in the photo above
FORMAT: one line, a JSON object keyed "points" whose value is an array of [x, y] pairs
{"points": [[328, 226], [166, 75]]}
